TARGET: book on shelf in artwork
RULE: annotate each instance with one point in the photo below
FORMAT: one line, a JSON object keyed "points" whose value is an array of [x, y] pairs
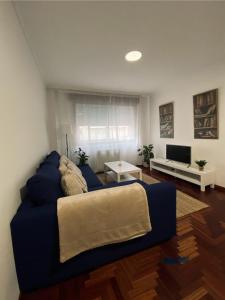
{"points": [[166, 118], [205, 111], [205, 122], [205, 99]]}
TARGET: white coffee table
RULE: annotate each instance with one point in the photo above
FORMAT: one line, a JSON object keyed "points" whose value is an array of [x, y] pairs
{"points": [[121, 170]]}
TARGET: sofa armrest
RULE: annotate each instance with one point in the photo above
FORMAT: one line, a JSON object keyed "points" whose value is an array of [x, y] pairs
{"points": [[34, 233], [162, 206], [161, 200]]}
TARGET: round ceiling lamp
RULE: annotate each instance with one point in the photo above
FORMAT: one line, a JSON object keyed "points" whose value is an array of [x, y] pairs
{"points": [[133, 56]]}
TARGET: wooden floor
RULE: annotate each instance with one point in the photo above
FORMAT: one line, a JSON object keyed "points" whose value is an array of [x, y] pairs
{"points": [[200, 236]]}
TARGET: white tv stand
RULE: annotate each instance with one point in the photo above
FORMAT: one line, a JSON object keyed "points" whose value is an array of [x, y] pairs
{"points": [[182, 171]]}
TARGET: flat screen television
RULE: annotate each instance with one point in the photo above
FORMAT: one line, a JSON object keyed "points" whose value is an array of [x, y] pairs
{"points": [[179, 153]]}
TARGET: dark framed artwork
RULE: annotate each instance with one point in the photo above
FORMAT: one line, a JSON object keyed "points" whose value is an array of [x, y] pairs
{"points": [[206, 115], [166, 119]]}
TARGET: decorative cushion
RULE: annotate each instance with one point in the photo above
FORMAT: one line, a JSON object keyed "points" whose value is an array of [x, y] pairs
{"points": [[63, 160], [66, 163], [53, 158], [70, 184], [80, 179], [54, 154], [71, 166], [51, 172], [41, 190], [62, 169], [44, 186]]}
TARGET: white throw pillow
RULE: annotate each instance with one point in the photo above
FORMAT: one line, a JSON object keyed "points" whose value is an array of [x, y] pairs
{"points": [[80, 179], [62, 169], [71, 166], [67, 166], [63, 160], [66, 163], [70, 184]]}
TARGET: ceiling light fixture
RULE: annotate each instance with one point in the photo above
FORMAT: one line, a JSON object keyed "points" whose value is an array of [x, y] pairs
{"points": [[133, 56]]}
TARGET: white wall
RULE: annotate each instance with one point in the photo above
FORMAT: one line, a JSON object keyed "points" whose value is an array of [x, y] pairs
{"points": [[23, 133], [181, 93]]}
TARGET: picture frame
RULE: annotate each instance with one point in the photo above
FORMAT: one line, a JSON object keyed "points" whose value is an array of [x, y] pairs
{"points": [[205, 108], [166, 120]]}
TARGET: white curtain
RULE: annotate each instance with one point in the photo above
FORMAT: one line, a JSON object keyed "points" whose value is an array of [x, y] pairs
{"points": [[107, 128], [64, 121]]}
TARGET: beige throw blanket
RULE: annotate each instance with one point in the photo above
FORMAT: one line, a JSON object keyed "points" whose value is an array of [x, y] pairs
{"points": [[102, 217]]}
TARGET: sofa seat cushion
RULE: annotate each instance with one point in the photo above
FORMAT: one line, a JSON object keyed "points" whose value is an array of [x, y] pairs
{"points": [[114, 184], [90, 177]]}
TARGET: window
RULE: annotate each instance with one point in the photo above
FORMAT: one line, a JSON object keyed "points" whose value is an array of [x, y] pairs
{"points": [[109, 122], [106, 128]]}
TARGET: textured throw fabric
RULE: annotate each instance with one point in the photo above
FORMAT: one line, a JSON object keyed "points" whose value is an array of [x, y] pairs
{"points": [[70, 184], [102, 217]]}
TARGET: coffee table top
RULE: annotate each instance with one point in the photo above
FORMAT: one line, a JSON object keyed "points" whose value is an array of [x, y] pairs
{"points": [[121, 167]]}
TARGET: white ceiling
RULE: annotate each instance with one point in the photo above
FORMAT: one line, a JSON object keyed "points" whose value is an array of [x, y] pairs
{"points": [[81, 45]]}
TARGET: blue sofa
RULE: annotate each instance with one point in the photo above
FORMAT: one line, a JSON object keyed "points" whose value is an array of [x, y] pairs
{"points": [[34, 228]]}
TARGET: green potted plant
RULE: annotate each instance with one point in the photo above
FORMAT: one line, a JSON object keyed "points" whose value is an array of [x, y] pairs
{"points": [[147, 152], [83, 158], [201, 164]]}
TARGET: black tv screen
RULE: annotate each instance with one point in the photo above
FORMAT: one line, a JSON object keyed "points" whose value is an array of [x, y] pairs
{"points": [[179, 153]]}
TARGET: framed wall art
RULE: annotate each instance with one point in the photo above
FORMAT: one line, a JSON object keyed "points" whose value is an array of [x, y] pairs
{"points": [[166, 119], [206, 115]]}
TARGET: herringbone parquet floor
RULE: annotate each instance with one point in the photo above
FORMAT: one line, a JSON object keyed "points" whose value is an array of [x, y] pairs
{"points": [[142, 276]]}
